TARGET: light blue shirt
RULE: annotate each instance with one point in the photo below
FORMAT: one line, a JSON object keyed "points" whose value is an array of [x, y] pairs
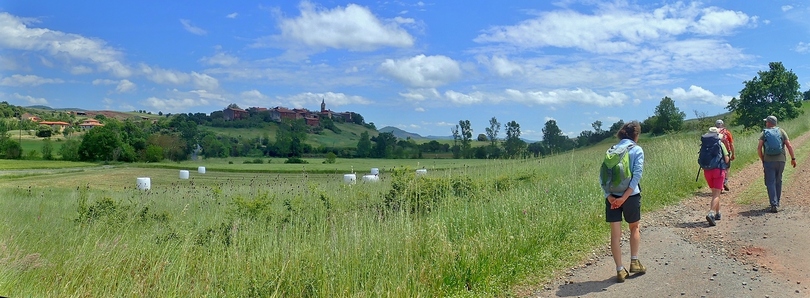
{"points": [[636, 163]]}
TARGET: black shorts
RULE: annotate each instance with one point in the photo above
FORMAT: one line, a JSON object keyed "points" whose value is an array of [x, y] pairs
{"points": [[631, 209]]}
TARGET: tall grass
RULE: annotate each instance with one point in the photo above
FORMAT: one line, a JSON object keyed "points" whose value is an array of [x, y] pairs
{"points": [[476, 229]]}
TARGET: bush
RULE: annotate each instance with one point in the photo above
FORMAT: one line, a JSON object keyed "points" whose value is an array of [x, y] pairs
{"points": [[295, 160], [330, 158], [154, 153]]}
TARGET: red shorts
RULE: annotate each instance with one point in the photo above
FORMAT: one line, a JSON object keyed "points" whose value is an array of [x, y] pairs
{"points": [[715, 178]]}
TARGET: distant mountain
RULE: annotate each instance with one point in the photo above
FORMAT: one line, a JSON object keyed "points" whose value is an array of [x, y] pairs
{"points": [[439, 137], [41, 107], [400, 134]]}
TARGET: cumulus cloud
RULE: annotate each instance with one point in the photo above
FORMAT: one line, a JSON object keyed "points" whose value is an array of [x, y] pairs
{"points": [[173, 77], [353, 27], [698, 94], [464, 99], [786, 8], [552, 98], [30, 99], [191, 28], [16, 34], [220, 59], [803, 47], [616, 29], [174, 105], [423, 71], [27, 80], [125, 86], [104, 82], [309, 99], [564, 96], [503, 66], [420, 94], [232, 15]]}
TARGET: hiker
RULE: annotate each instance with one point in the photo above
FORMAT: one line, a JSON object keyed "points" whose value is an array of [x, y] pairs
{"points": [[623, 195], [728, 140], [713, 159], [771, 149]]}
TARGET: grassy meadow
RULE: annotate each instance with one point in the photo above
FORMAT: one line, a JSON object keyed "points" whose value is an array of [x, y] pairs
{"points": [[469, 228]]}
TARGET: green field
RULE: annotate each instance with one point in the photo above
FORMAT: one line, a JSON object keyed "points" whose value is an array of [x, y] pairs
{"points": [[468, 228]]}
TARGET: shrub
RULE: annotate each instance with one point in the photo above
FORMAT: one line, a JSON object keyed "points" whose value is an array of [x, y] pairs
{"points": [[295, 160], [330, 158]]}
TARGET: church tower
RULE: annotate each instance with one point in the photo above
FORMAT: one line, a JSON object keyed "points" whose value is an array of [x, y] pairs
{"points": [[323, 105]]}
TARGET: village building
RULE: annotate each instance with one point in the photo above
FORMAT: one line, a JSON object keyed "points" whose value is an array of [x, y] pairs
{"points": [[57, 126], [89, 123], [233, 113]]}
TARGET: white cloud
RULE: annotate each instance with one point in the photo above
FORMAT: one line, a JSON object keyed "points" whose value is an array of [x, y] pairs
{"points": [[696, 93], [174, 105], [15, 34], [419, 109], [311, 100], [172, 77], [615, 29], [30, 100], [80, 69], [353, 27], [220, 59], [420, 94], [27, 80], [191, 28], [104, 82], [803, 47], [204, 81], [125, 86], [502, 66], [464, 99], [786, 8], [717, 21], [232, 15], [423, 71], [564, 96]]}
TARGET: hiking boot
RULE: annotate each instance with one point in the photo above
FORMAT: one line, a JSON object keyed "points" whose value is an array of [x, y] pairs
{"points": [[725, 187], [710, 219], [774, 209], [637, 268], [621, 275], [717, 216]]}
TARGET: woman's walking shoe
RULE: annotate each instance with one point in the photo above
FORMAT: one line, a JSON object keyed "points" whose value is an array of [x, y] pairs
{"points": [[621, 275], [637, 268]]}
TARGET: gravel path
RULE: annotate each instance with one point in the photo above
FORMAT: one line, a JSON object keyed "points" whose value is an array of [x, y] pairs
{"points": [[750, 253]]}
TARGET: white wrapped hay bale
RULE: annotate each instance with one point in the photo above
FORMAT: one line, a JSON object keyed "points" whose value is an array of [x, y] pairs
{"points": [[350, 178], [143, 183]]}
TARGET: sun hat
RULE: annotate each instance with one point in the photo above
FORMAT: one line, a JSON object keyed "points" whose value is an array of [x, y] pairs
{"points": [[719, 123], [771, 119], [713, 129]]}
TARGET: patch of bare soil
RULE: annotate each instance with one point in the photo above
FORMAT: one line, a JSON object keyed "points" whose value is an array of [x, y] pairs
{"points": [[750, 253]]}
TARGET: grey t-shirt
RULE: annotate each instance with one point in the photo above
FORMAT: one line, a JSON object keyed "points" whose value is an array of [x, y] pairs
{"points": [[780, 157]]}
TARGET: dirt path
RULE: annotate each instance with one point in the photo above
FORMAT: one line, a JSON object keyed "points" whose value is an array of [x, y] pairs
{"points": [[750, 253]]}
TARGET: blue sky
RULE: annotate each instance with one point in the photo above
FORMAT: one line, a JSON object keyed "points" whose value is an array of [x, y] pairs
{"points": [[418, 65]]}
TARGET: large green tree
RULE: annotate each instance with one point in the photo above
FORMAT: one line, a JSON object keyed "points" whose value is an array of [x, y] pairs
{"points": [[553, 137], [513, 145], [667, 117], [773, 92], [100, 144], [466, 138], [364, 145]]}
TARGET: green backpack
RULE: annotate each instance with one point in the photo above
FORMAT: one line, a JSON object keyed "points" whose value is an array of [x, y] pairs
{"points": [[616, 173]]}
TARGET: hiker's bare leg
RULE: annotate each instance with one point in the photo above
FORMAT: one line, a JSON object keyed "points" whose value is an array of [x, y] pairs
{"points": [[616, 242], [635, 238], [715, 204]]}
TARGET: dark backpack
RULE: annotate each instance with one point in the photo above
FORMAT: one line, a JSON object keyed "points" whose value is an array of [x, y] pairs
{"points": [[773, 141], [615, 173], [711, 154]]}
